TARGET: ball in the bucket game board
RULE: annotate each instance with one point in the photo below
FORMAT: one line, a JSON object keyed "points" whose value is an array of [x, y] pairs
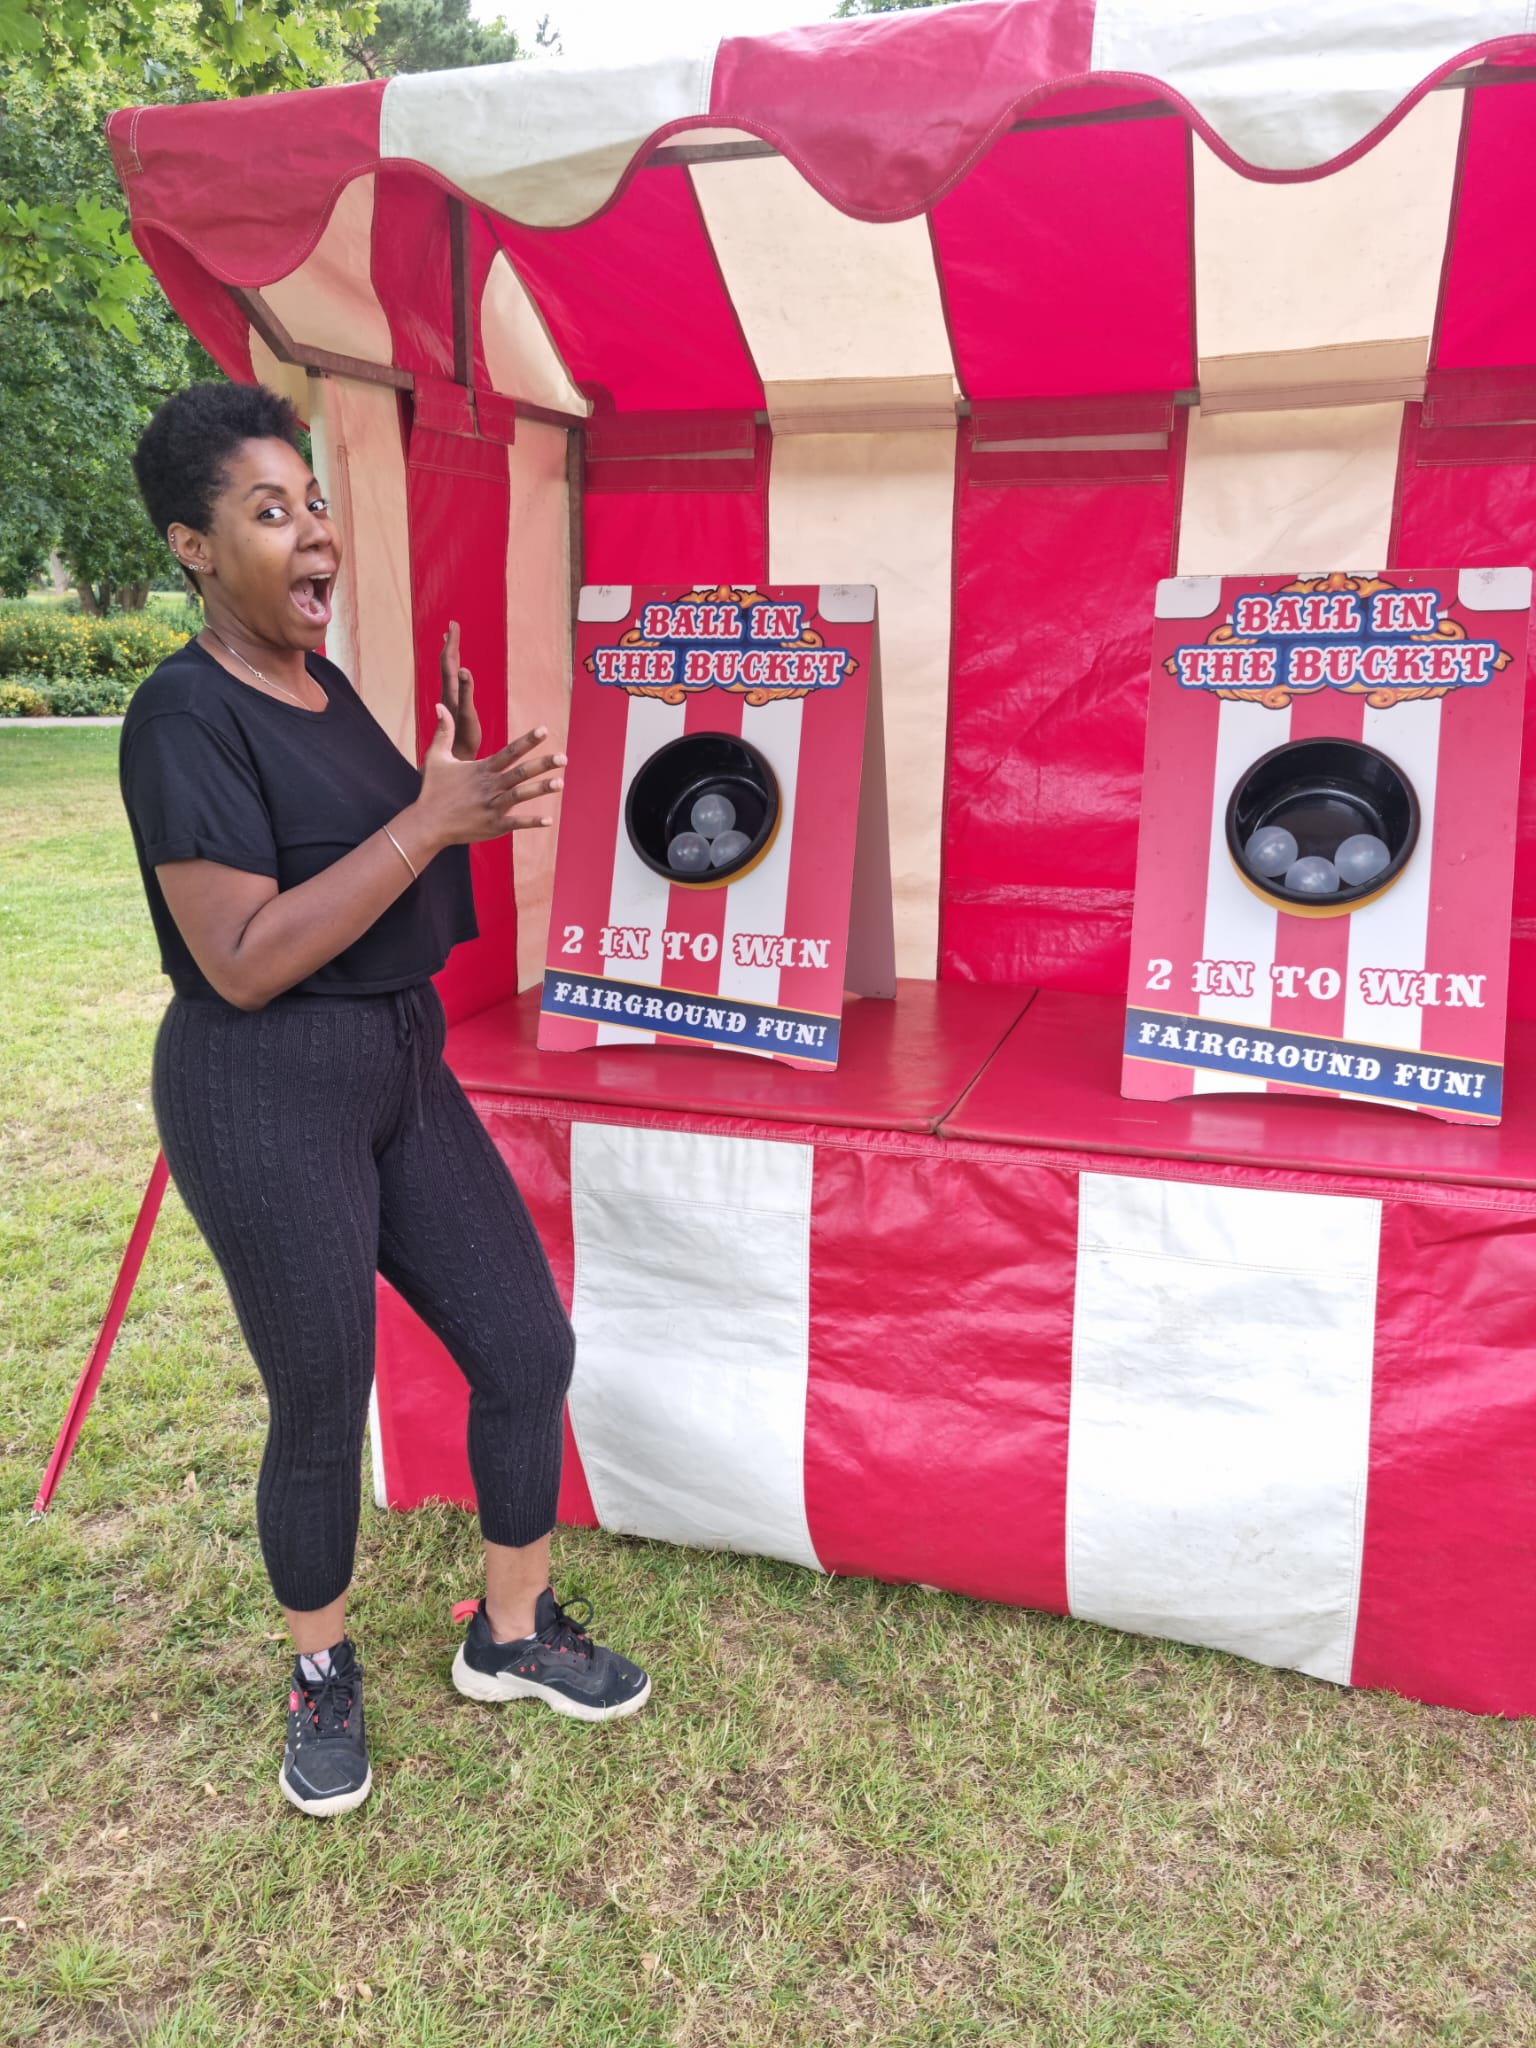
{"points": [[1326, 861], [723, 869]]}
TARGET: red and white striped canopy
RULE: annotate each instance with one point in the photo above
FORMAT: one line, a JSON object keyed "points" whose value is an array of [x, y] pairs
{"points": [[1009, 308]]}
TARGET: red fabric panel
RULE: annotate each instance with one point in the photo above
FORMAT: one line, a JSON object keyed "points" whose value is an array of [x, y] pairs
{"points": [[1461, 447], [411, 268], [941, 1373], [636, 304], [202, 303], [658, 535], [1488, 315], [459, 515], [441, 407], [1480, 398], [495, 417], [1065, 261], [423, 1399], [248, 184], [1448, 1579], [671, 451], [1482, 515], [1053, 611], [1069, 466], [916, 98]]}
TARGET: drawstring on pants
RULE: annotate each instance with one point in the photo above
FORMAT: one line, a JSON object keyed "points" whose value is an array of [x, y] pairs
{"points": [[410, 1008]]}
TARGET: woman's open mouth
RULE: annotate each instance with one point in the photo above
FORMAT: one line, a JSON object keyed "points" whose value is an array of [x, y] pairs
{"points": [[312, 595]]}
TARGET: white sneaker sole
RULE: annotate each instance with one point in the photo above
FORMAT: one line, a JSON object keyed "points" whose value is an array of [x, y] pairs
{"points": [[495, 1689], [339, 1802]]}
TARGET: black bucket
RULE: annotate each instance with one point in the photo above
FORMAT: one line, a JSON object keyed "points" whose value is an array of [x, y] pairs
{"points": [[1323, 792], [661, 797]]}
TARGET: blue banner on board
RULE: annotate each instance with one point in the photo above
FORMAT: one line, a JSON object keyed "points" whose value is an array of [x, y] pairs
{"points": [[1387, 1073], [711, 1020]]}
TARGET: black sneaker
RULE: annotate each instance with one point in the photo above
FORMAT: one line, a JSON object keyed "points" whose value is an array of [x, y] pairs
{"points": [[558, 1664], [325, 1764]]}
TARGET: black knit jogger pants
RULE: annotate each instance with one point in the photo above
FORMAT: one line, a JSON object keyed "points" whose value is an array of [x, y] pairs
{"points": [[315, 1142]]}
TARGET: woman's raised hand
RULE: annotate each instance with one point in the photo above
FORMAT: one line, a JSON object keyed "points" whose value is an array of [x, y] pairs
{"points": [[462, 801], [459, 696]]}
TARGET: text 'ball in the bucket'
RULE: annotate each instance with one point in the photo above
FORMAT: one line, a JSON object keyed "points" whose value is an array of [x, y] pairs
{"points": [[728, 847], [1271, 850], [1361, 858], [688, 854], [1312, 876], [712, 815]]}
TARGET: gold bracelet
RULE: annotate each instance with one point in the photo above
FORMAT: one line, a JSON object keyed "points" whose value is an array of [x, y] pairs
{"points": [[394, 842]]}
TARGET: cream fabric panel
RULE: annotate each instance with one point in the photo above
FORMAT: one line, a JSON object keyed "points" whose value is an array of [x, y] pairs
{"points": [[519, 352], [538, 653], [1350, 259], [543, 142], [879, 508], [290, 379], [1346, 373], [1222, 1347], [329, 301], [360, 460], [688, 1400], [819, 295], [1275, 491], [1285, 90]]}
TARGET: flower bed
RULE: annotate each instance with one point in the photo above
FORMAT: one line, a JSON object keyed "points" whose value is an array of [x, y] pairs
{"points": [[63, 665]]}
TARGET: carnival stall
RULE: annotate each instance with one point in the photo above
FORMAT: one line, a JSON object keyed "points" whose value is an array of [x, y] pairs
{"points": [[1013, 311]]}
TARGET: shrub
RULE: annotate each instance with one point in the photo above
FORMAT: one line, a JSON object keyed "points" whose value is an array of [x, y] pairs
{"points": [[84, 666], [20, 700], [41, 642], [134, 642], [87, 696]]}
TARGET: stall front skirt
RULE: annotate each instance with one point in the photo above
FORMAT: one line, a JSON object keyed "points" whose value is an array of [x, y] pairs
{"points": [[1285, 1415]]}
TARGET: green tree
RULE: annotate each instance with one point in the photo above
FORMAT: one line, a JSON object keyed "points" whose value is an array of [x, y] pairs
{"points": [[73, 245], [75, 400], [847, 8], [430, 35], [75, 389], [88, 345]]}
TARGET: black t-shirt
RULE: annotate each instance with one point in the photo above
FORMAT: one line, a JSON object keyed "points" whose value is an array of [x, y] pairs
{"points": [[214, 769]]}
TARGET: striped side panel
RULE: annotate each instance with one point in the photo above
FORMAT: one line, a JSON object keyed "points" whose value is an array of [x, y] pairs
{"points": [[1221, 1386], [692, 1330]]}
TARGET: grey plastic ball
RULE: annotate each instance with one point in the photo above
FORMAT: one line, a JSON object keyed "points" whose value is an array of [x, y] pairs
{"points": [[1312, 876], [688, 854], [1361, 858]]}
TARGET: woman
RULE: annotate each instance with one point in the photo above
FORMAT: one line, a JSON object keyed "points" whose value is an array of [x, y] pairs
{"points": [[305, 883]]}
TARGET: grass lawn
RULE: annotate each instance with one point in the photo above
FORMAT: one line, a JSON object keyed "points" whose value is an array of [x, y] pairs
{"points": [[852, 1813]]}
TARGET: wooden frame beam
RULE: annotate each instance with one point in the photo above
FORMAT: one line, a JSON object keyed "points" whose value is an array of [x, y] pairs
{"points": [[287, 350], [328, 362]]}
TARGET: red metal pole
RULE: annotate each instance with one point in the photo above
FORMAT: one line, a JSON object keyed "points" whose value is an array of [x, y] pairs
{"points": [[117, 1308]]}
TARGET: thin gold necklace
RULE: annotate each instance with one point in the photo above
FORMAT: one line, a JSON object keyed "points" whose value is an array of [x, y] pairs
{"points": [[255, 671]]}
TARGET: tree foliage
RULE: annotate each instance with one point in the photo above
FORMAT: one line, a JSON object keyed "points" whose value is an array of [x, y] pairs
{"points": [[72, 244], [88, 345], [429, 35], [847, 8]]}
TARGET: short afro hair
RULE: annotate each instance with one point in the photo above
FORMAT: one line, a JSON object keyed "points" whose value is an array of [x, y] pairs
{"points": [[181, 456]]}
